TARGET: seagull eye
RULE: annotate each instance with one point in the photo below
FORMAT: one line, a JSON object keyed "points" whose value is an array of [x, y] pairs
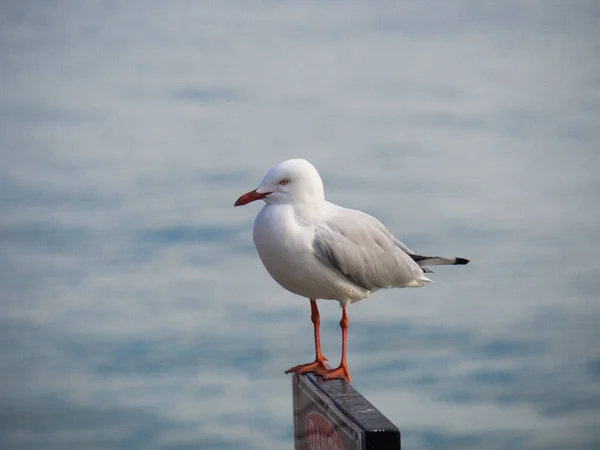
{"points": [[283, 182]]}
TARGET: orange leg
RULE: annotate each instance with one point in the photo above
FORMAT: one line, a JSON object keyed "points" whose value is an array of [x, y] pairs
{"points": [[319, 363], [342, 370]]}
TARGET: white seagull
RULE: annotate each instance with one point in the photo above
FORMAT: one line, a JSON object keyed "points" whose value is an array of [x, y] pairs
{"points": [[320, 250]]}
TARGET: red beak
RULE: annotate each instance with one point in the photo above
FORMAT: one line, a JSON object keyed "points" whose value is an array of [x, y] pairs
{"points": [[250, 197]]}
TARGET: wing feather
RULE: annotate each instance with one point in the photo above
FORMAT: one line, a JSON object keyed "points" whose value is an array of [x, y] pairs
{"points": [[361, 249]]}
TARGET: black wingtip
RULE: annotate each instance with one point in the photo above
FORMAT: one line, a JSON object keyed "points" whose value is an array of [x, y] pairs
{"points": [[461, 261]]}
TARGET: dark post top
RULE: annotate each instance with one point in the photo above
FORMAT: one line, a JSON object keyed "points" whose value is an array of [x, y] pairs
{"points": [[331, 414]]}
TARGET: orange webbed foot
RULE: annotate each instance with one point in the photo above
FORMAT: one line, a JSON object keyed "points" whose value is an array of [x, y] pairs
{"points": [[340, 372], [316, 366]]}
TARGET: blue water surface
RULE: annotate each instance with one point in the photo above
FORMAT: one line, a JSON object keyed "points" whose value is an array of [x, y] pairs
{"points": [[135, 311]]}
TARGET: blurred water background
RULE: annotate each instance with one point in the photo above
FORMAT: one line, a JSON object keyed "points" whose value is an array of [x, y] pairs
{"points": [[135, 313]]}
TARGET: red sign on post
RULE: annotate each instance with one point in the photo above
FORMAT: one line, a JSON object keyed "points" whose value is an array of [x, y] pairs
{"points": [[320, 434]]}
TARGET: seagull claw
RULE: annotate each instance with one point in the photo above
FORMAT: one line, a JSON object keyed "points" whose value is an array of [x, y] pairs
{"points": [[340, 372], [316, 366]]}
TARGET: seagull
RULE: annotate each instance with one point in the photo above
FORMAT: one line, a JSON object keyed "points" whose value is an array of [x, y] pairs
{"points": [[319, 250]]}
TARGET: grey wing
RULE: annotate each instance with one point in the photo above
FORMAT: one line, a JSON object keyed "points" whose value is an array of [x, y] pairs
{"points": [[409, 252], [360, 248]]}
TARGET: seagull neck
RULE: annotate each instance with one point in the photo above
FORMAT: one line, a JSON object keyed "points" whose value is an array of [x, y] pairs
{"points": [[308, 211]]}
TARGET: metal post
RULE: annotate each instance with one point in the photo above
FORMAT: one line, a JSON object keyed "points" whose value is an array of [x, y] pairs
{"points": [[332, 415]]}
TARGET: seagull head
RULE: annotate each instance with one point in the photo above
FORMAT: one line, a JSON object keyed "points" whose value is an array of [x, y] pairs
{"points": [[292, 181]]}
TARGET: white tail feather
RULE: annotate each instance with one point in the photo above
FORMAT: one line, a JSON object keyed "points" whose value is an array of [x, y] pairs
{"points": [[419, 282]]}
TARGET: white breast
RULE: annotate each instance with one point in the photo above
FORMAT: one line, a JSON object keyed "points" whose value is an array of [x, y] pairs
{"points": [[285, 248]]}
